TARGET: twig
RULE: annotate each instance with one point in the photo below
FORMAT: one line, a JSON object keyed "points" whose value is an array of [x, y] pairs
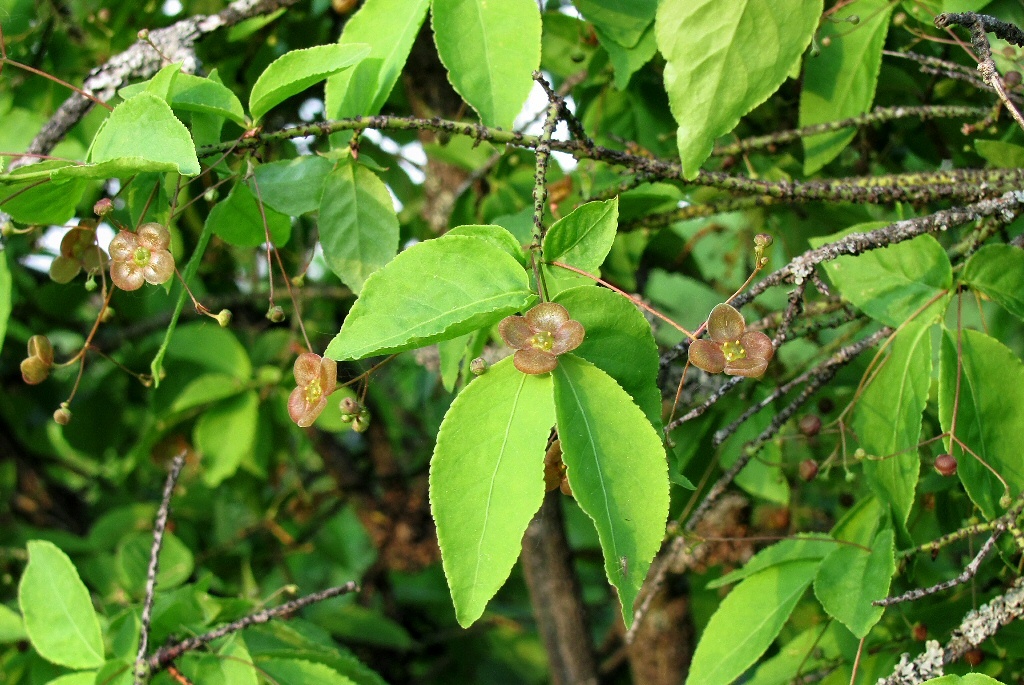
{"points": [[969, 572], [141, 671], [167, 654], [540, 186], [976, 627]]}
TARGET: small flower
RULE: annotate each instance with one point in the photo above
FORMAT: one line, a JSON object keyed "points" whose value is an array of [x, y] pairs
{"points": [[539, 337], [35, 368], [732, 348], [141, 256], [316, 378], [78, 250]]}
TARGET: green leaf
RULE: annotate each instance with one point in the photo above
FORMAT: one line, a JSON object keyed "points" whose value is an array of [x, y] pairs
{"points": [[81, 678], [57, 610], [211, 347], [12, 628], [29, 196], [584, 237], [490, 50], [389, 27], [622, 22], [892, 283], [205, 388], [627, 61], [991, 390], [451, 353], [191, 93], [498, 236], [6, 292], [969, 679], [748, 621], [140, 135], [237, 220], [295, 71], [999, 154], [293, 186], [132, 558], [800, 548], [487, 480], [618, 341], [432, 291], [301, 672], [887, 418], [851, 578], [840, 82], [358, 225], [712, 75], [997, 271], [617, 470], [225, 435]]}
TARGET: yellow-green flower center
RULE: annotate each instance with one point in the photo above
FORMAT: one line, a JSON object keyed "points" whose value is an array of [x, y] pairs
{"points": [[542, 340], [313, 391], [141, 256], [733, 350]]}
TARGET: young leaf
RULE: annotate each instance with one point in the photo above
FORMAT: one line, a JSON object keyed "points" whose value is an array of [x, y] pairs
{"points": [[583, 237], [58, 613], [627, 61], [12, 628], [295, 71], [851, 578], [225, 435], [623, 22], [141, 134], [389, 27], [991, 388], [893, 283], [997, 271], [237, 220], [300, 672], [840, 82], [432, 291], [487, 480], [887, 418], [496, 235], [748, 621], [712, 75], [490, 50], [619, 342], [617, 470], [293, 186], [358, 225]]}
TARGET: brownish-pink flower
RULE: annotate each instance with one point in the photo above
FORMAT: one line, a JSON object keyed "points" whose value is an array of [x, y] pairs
{"points": [[539, 337], [141, 257], [78, 250], [316, 378], [732, 348]]}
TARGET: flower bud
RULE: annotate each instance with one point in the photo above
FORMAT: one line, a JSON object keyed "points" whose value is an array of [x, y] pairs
{"points": [[478, 366], [39, 346], [763, 240], [34, 370], [223, 317], [1005, 501], [810, 425], [143, 34], [945, 464], [808, 470], [103, 207], [361, 422], [276, 313], [63, 414]]}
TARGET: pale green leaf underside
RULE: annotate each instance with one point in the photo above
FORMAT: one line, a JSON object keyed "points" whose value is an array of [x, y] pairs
{"points": [[988, 422], [713, 76], [840, 82], [59, 618], [141, 134], [851, 578], [616, 466], [887, 418], [389, 27], [294, 71], [194, 94], [358, 225], [997, 271], [434, 290], [487, 480], [747, 622], [490, 50]]}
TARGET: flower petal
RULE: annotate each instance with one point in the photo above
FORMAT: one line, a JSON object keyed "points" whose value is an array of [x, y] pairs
{"points": [[534, 361], [122, 246], [306, 368], [153, 236], [126, 275], [707, 356], [758, 345], [328, 375], [568, 337], [300, 411], [725, 323], [160, 267], [515, 331], [547, 316], [749, 367]]}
